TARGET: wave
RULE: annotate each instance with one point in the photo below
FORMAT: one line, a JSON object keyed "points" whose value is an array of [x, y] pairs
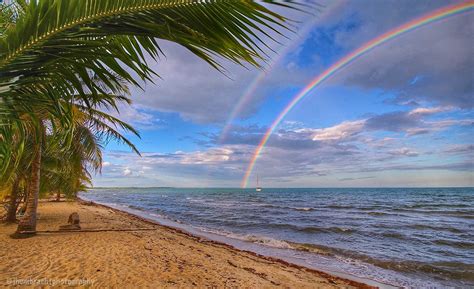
{"points": [[434, 228], [303, 209], [394, 235], [375, 207], [281, 207], [311, 248], [268, 242], [262, 240], [340, 207], [138, 208], [455, 244], [378, 214], [445, 270], [467, 214], [265, 205], [309, 229], [436, 205], [327, 230], [197, 200]]}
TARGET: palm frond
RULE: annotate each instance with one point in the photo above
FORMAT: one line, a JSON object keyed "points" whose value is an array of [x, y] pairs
{"points": [[57, 42]]}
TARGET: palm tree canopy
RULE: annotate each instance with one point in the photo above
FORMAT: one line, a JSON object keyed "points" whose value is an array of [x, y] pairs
{"points": [[75, 125], [54, 45]]}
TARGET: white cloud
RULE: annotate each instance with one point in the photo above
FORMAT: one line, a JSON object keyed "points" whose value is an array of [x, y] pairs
{"points": [[127, 172], [404, 152], [341, 131], [137, 116], [429, 110], [212, 156]]}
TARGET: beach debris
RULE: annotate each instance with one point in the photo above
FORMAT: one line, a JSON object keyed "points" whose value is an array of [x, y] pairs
{"points": [[73, 223], [74, 219]]}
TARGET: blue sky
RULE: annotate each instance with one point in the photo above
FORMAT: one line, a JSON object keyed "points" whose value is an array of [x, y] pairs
{"points": [[400, 115]]}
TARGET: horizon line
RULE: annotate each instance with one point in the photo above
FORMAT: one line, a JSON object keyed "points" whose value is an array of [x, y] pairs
{"points": [[335, 187]]}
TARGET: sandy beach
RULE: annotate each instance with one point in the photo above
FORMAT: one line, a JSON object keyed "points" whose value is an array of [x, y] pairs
{"points": [[115, 249]]}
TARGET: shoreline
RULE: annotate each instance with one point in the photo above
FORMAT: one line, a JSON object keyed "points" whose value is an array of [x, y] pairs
{"points": [[331, 275], [243, 268]]}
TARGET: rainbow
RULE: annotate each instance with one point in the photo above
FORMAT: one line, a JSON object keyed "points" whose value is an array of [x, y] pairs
{"points": [[394, 33], [255, 84]]}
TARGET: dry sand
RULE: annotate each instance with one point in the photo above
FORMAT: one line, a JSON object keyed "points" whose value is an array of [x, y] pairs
{"points": [[147, 255]]}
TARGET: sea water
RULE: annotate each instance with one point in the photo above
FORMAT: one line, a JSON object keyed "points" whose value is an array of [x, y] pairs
{"points": [[405, 237]]}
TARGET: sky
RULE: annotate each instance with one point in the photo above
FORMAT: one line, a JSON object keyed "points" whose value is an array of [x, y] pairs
{"points": [[399, 116]]}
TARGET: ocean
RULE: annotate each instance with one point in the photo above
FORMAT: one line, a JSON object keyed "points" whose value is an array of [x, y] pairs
{"points": [[404, 237]]}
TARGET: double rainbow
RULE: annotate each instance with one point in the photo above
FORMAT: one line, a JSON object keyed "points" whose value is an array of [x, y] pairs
{"points": [[394, 33]]}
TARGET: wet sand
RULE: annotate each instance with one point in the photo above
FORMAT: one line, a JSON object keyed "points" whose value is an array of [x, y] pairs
{"points": [[116, 249]]}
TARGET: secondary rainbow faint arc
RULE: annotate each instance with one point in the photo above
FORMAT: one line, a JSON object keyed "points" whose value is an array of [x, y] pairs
{"points": [[421, 21], [255, 84]]}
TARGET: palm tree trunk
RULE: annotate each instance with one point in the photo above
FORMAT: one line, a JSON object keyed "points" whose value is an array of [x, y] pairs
{"points": [[11, 214], [27, 224], [25, 197]]}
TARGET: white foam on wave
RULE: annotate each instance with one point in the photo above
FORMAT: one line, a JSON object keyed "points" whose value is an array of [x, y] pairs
{"points": [[156, 215], [262, 240], [197, 200], [303, 209], [275, 243]]}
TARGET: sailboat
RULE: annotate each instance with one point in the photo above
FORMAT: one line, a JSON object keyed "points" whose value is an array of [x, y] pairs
{"points": [[258, 188]]}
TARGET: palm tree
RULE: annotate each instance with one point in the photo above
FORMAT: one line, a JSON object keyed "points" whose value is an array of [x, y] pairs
{"points": [[17, 184], [14, 147], [67, 169], [53, 52], [68, 123]]}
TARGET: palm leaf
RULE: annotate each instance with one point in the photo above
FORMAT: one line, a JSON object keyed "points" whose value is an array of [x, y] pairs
{"points": [[55, 43]]}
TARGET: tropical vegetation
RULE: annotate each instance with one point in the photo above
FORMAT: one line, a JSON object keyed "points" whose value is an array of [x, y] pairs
{"points": [[65, 63]]}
